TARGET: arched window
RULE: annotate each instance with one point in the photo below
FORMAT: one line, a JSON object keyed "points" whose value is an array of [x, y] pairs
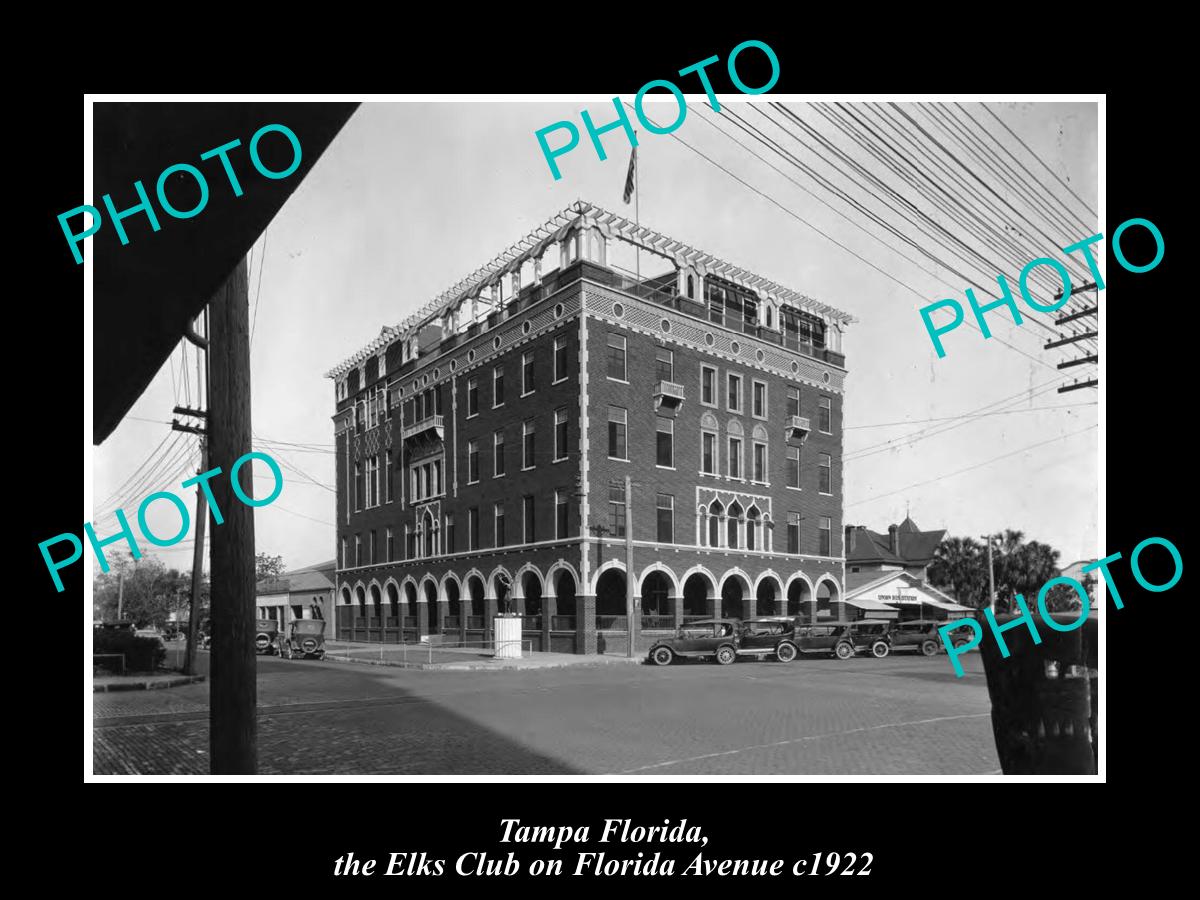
{"points": [[691, 288], [752, 528], [715, 510], [735, 515], [769, 318], [427, 527]]}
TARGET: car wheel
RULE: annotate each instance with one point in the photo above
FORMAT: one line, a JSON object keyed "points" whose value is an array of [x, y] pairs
{"points": [[726, 655], [843, 651], [662, 656], [928, 648], [785, 652], [958, 644], [880, 649]]}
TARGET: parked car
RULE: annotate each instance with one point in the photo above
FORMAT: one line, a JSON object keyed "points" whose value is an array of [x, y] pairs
{"points": [[770, 635], [304, 638], [917, 634], [958, 637], [871, 635], [716, 638], [831, 638], [266, 638]]}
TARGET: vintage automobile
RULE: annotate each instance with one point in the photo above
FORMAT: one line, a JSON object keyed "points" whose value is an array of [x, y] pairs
{"points": [[266, 636], [769, 635], [917, 634], [717, 638], [831, 637], [871, 635], [305, 638], [958, 636]]}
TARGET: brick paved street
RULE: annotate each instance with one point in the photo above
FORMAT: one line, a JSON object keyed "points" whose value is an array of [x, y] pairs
{"points": [[900, 715]]}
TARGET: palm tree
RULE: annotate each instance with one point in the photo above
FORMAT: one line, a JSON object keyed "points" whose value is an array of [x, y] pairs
{"points": [[1022, 568], [960, 567]]}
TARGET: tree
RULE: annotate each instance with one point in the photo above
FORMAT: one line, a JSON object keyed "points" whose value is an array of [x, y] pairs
{"points": [[1064, 598], [960, 568], [267, 566], [151, 591], [1022, 568]]}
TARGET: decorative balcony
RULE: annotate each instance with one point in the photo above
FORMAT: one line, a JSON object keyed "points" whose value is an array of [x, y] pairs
{"points": [[798, 428], [432, 427], [668, 394]]}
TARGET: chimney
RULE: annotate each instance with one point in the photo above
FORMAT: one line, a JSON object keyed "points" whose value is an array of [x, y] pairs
{"points": [[894, 534]]}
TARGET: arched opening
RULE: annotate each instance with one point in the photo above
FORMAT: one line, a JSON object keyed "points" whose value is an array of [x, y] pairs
{"points": [[715, 512], [478, 609], [766, 596], [432, 607], [769, 318], [656, 601], [361, 611], [799, 599], [393, 606], [733, 598], [610, 600], [564, 602], [696, 593], [691, 287], [376, 620], [409, 614], [453, 607], [735, 518], [427, 528], [827, 601], [531, 587], [752, 523]]}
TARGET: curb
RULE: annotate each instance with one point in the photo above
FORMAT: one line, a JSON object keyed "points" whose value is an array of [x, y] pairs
{"points": [[147, 685], [490, 666]]}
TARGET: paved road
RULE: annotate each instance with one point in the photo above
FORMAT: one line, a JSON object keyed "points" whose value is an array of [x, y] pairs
{"points": [[900, 715]]}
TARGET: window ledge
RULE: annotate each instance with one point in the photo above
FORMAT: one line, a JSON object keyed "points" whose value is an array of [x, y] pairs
{"points": [[559, 380], [526, 394], [618, 380]]}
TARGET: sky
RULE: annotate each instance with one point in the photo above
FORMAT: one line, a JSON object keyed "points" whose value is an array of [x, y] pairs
{"points": [[412, 196]]}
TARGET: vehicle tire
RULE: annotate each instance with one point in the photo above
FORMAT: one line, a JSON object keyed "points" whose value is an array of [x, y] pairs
{"points": [[785, 652], [844, 651], [958, 644], [928, 648], [726, 655], [662, 656], [880, 649]]}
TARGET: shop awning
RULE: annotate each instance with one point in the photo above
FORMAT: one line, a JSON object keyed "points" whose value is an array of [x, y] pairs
{"points": [[873, 606]]}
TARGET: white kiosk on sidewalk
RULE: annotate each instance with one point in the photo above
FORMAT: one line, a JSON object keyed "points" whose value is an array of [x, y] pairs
{"points": [[506, 629]]}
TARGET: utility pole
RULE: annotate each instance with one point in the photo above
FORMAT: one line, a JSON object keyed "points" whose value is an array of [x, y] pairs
{"points": [[233, 690], [630, 600], [120, 594], [991, 576], [201, 343]]}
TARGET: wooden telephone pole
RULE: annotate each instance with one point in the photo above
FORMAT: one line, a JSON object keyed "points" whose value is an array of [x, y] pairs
{"points": [[233, 691], [201, 343]]}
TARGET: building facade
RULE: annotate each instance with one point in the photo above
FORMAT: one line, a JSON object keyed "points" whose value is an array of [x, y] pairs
{"points": [[483, 447], [306, 593]]}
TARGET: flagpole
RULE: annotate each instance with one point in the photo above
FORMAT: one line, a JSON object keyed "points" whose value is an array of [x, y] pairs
{"points": [[637, 203]]}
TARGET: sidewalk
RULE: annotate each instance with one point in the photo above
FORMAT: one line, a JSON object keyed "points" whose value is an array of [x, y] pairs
{"points": [[432, 656], [107, 683]]}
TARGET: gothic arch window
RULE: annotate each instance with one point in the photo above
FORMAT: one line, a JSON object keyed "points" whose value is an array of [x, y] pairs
{"points": [[735, 516], [752, 521], [715, 513], [691, 287]]}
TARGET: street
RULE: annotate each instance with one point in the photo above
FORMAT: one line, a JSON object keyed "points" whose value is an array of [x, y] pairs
{"points": [[901, 715]]}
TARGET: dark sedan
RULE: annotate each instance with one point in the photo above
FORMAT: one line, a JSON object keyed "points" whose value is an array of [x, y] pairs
{"points": [[716, 638], [768, 636]]}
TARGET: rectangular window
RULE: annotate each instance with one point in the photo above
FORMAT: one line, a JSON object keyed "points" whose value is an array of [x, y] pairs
{"points": [[666, 442], [372, 480], [824, 414], [527, 436], [388, 486], [562, 508], [358, 561], [708, 453], [666, 519], [527, 517], [560, 359], [472, 397], [358, 487], [473, 528], [617, 433], [498, 517], [793, 467], [497, 386], [472, 462], [498, 453], [343, 557], [793, 532], [616, 508], [560, 434], [527, 384], [708, 386], [664, 364], [735, 457], [760, 462], [391, 545], [826, 536], [826, 484], [793, 401], [409, 544], [437, 477], [734, 399], [374, 559], [616, 357], [449, 533], [760, 400]]}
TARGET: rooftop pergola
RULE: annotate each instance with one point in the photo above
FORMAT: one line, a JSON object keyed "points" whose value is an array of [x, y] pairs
{"points": [[581, 216]]}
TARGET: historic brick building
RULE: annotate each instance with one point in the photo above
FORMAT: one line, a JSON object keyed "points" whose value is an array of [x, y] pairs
{"points": [[483, 445]]}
